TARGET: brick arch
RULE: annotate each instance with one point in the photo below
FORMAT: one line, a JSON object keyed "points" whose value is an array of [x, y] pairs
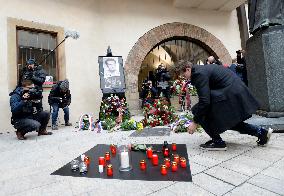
{"points": [[155, 36]]}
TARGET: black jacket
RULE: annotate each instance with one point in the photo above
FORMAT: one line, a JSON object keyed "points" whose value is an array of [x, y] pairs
{"points": [[19, 107], [37, 75], [224, 100], [57, 96]]}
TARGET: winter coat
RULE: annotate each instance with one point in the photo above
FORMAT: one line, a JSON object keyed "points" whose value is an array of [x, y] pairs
{"points": [[224, 100], [19, 107], [37, 75], [59, 97]]}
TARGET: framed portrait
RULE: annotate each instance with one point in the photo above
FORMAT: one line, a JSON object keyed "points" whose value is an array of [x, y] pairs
{"points": [[112, 78]]}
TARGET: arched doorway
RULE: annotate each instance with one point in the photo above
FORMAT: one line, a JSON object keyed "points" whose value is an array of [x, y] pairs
{"points": [[153, 38]]}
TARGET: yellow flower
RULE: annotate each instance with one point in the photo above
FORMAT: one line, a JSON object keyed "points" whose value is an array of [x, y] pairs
{"points": [[139, 126]]}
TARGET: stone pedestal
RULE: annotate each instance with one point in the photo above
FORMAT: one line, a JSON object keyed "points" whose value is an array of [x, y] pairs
{"points": [[265, 67]]}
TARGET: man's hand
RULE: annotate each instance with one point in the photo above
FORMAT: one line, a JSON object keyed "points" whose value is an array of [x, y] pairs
{"points": [[191, 128]]}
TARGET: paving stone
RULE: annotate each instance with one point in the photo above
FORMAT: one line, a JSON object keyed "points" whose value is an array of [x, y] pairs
{"points": [[227, 175], [246, 165], [211, 184], [268, 183], [266, 153], [196, 168], [205, 161], [185, 188], [152, 131], [274, 172], [251, 190]]}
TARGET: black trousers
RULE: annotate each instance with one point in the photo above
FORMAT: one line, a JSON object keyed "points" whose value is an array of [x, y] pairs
{"points": [[36, 122], [242, 128]]}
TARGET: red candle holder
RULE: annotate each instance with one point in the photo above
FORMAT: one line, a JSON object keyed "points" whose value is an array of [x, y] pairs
{"points": [[87, 160], [107, 156], [167, 162], [113, 149], [166, 152], [143, 165], [174, 166], [149, 153], [183, 162], [176, 158], [155, 159], [102, 161], [174, 146], [163, 170], [109, 170]]}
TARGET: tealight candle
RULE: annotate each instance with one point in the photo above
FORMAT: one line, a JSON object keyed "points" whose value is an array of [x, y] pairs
{"points": [[143, 165], [163, 170], [176, 158], [87, 160], [107, 156], [174, 166], [167, 162], [109, 170], [183, 162], [166, 152], [149, 152], [102, 161], [155, 159], [113, 149], [174, 146]]}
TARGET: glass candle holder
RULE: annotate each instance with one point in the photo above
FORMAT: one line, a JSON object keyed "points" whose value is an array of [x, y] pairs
{"points": [[83, 168], [155, 159], [74, 165], [102, 161], [124, 158], [183, 162], [166, 152], [113, 149], [87, 160], [143, 165], [167, 162], [174, 166], [107, 156], [163, 169], [149, 153], [109, 170], [176, 158], [174, 146]]}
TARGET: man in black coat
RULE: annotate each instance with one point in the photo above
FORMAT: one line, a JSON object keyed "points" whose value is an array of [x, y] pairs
{"points": [[25, 117], [60, 97], [224, 103], [36, 74]]}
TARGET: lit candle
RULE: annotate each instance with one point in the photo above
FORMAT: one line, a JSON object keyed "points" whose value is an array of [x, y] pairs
{"points": [[176, 158], [167, 162], [149, 153], [174, 146], [113, 149], [163, 170], [87, 160], [166, 152], [109, 170], [155, 159], [183, 162], [102, 161], [124, 159], [107, 156], [143, 165], [174, 166]]}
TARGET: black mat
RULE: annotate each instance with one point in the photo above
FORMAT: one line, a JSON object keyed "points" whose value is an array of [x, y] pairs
{"points": [[152, 131], [152, 173]]}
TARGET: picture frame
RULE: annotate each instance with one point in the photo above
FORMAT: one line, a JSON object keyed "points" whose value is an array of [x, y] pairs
{"points": [[111, 71]]}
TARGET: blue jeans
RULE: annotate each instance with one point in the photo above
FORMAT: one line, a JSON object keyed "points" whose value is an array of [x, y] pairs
{"points": [[55, 109]]}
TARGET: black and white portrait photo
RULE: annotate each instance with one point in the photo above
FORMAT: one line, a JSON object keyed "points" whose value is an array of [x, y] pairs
{"points": [[111, 67]]}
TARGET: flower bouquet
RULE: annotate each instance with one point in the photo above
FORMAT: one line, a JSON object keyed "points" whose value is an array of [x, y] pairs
{"points": [[131, 124], [182, 123]]}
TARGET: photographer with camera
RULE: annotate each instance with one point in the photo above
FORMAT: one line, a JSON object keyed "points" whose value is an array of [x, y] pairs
{"points": [[60, 97], [241, 68], [25, 117], [163, 77], [148, 93], [37, 75]]}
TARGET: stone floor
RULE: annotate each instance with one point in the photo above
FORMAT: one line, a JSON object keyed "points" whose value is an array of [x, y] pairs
{"points": [[244, 169]]}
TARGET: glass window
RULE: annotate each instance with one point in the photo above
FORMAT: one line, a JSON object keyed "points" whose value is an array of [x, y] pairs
{"points": [[38, 44]]}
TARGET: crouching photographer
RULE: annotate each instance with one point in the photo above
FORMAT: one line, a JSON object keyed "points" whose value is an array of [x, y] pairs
{"points": [[163, 77], [25, 117], [148, 93], [60, 97]]}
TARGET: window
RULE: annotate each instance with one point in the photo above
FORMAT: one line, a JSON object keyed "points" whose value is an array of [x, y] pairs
{"points": [[38, 44]]}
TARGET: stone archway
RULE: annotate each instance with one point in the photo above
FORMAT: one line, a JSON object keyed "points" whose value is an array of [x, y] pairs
{"points": [[157, 35]]}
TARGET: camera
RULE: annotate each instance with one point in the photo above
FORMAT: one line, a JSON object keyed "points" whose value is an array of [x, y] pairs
{"points": [[238, 51], [28, 75], [34, 94]]}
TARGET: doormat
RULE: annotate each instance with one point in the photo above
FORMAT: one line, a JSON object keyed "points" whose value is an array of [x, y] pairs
{"points": [[152, 173]]}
